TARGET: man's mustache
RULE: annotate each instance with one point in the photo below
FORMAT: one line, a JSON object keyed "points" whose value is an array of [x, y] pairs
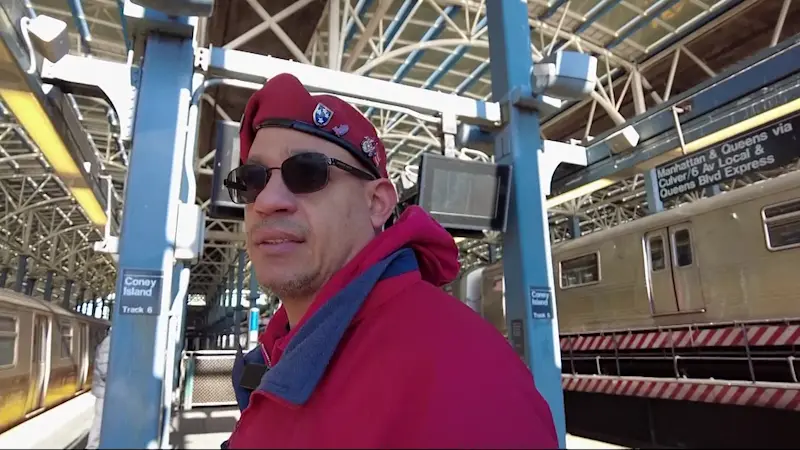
{"points": [[283, 224]]}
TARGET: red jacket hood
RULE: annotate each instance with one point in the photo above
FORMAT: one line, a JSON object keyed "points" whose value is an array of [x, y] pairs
{"points": [[436, 251]]}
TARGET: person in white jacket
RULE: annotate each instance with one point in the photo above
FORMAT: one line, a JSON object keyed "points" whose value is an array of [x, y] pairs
{"points": [[98, 390]]}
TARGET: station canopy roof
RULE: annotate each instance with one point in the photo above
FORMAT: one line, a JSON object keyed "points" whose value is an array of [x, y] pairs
{"points": [[433, 44]]}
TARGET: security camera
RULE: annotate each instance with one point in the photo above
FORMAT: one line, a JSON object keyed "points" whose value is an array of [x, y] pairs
{"points": [[565, 75], [48, 36]]}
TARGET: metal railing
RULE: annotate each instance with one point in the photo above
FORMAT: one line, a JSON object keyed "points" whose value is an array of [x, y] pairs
{"points": [[746, 367], [207, 378]]}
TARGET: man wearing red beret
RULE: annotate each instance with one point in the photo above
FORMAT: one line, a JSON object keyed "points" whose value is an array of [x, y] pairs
{"points": [[366, 350]]}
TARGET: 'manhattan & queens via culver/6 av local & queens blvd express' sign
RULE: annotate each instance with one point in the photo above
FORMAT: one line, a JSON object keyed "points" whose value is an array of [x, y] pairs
{"points": [[769, 146]]}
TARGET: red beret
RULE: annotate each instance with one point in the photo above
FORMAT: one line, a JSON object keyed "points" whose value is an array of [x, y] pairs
{"points": [[285, 102]]}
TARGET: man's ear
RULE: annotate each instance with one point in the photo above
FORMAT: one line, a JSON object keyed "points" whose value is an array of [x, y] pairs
{"points": [[382, 201]]}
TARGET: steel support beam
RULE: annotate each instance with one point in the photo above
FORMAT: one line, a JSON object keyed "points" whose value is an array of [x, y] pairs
{"points": [[22, 271], [367, 34], [334, 49], [750, 77], [94, 77], [530, 305], [224, 236], [704, 131], [237, 307], [258, 68], [139, 341]]}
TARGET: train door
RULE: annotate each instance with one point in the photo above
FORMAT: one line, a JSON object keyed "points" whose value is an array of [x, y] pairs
{"points": [[673, 276], [685, 269], [83, 354], [660, 283], [40, 362]]}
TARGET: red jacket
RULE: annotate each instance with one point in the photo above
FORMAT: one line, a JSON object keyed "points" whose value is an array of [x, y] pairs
{"points": [[386, 359]]}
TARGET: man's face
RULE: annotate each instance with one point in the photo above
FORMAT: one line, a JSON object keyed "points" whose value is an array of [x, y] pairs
{"points": [[298, 241]]}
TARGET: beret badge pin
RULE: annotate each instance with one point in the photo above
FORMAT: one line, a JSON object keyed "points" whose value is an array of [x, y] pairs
{"points": [[341, 130], [322, 115], [369, 146]]}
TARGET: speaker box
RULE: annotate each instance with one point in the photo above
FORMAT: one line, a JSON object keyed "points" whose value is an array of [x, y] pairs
{"points": [[225, 159]]}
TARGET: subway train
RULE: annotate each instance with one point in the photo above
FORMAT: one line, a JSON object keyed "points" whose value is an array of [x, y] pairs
{"points": [[730, 258], [46, 355]]}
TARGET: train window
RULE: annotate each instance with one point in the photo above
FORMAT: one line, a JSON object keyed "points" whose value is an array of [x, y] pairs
{"points": [[8, 341], [683, 248], [657, 259], [782, 225], [66, 340], [580, 271]]}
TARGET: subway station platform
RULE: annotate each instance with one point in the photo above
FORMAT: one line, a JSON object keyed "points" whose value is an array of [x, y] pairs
{"points": [[206, 428], [67, 427], [64, 426], [678, 87]]}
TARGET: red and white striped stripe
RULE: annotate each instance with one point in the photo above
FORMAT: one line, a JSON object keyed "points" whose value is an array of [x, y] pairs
{"points": [[732, 336], [769, 395]]}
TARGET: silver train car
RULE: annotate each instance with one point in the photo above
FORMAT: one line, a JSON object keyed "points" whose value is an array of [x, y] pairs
{"points": [[46, 355], [729, 258]]}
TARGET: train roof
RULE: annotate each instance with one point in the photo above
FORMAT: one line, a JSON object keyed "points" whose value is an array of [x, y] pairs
{"points": [[686, 211], [17, 299]]}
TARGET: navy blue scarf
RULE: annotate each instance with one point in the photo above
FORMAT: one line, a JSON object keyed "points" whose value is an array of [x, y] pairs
{"points": [[305, 359]]}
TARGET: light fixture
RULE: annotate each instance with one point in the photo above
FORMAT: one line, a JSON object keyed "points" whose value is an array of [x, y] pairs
{"points": [[33, 118], [24, 103], [586, 189], [690, 147]]}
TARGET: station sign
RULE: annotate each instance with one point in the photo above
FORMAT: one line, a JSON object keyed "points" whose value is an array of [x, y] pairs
{"points": [[140, 292], [767, 147], [541, 300]]}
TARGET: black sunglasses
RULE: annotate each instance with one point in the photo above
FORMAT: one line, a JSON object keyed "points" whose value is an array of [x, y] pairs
{"points": [[302, 173]]}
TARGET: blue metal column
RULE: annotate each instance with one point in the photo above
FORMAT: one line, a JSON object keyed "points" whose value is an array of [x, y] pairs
{"points": [[173, 345], [22, 270], [575, 227], [221, 312], [79, 300], [654, 203], [530, 307], [177, 310], [255, 312], [212, 317], [492, 250], [181, 338], [213, 311], [132, 416], [253, 320], [48, 286], [237, 307], [31, 283], [229, 311]]}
